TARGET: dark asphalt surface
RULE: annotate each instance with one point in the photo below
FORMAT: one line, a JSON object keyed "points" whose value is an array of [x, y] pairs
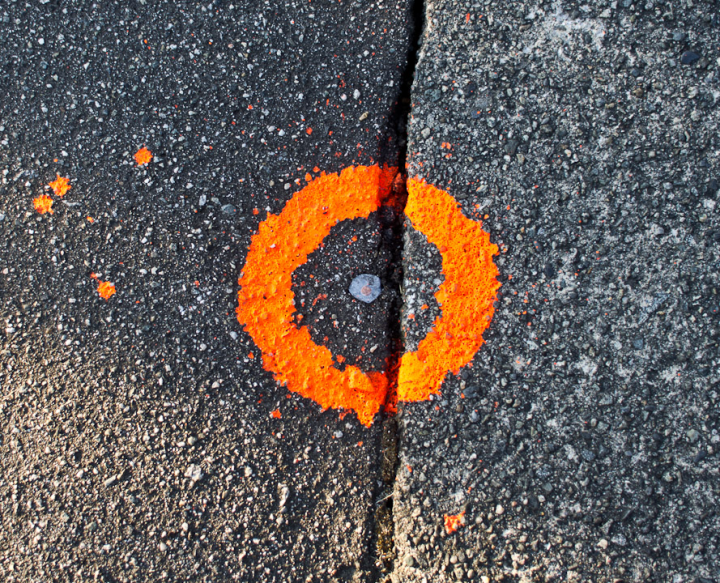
{"points": [[582, 444], [136, 435]]}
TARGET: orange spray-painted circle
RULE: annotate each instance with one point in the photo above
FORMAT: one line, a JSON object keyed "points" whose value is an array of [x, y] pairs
{"points": [[265, 300], [466, 296]]}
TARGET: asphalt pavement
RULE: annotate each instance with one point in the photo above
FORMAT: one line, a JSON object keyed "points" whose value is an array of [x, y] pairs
{"points": [[563, 426], [142, 439]]}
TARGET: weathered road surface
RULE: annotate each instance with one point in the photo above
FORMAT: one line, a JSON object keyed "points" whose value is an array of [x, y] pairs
{"points": [[137, 441], [582, 443], [141, 439]]}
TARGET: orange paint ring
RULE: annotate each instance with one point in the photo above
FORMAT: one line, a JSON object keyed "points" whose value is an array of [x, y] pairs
{"points": [[466, 296], [265, 300], [283, 242]]}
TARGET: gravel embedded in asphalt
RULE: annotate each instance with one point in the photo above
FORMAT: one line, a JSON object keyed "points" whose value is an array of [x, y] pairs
{"points": [[238, 104]]}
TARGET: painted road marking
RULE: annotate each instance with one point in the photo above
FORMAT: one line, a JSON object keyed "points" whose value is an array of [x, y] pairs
{"points": [[265, 300], [284, 242], [467, 295]]}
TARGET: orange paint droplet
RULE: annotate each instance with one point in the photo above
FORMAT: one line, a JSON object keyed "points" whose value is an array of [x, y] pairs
{"points": [[251, 356], [90, 220], [308, 178], [453, 522], [276, 414], [316, 169], [143, 156], [360, 444], [309, 131], [43, 204], [106, 289], [466, 296], [60, 185], [256, 212]]}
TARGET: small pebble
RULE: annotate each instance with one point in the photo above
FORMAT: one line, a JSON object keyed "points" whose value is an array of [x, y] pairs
{"points": [[689, 57], [366, 287]]}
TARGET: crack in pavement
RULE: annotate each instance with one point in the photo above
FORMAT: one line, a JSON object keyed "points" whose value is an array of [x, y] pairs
{"points": [[384, 519]]}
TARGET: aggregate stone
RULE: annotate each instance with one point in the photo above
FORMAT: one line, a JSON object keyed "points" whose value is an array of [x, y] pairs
{"points": [[366, 287], [594, 424]]}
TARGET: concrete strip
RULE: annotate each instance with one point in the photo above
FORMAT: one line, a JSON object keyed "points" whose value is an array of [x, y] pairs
{"points": [[581, 444]]}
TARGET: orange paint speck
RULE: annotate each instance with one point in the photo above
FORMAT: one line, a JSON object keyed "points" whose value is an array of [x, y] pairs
{"points": [[276, 414], [90, 220], [466, 296], [143, 156], [60, 185], [106, 289], [453, 522], [308, 131], [43, 204]]}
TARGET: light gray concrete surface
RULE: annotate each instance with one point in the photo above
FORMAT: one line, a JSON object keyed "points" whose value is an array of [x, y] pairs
{"points": [[585, 447]]}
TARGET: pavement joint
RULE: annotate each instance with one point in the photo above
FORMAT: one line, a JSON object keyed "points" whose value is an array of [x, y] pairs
{"points": [[390, 442]]}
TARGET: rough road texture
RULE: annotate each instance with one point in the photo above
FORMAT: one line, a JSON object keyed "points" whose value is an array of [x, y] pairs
{"points": [[136, 436], [582, 442]]}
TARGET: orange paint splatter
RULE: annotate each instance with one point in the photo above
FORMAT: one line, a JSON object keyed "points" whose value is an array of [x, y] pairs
{"points": [[43, 204], [453, 522], [90, 220], [466, 295], [60, 185], [106, 289], [309, 131], [276, 414], [265, 300], [143, 156]]}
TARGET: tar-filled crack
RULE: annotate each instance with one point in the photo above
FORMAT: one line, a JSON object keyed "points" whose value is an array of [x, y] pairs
{"points": [[399, 119]]}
